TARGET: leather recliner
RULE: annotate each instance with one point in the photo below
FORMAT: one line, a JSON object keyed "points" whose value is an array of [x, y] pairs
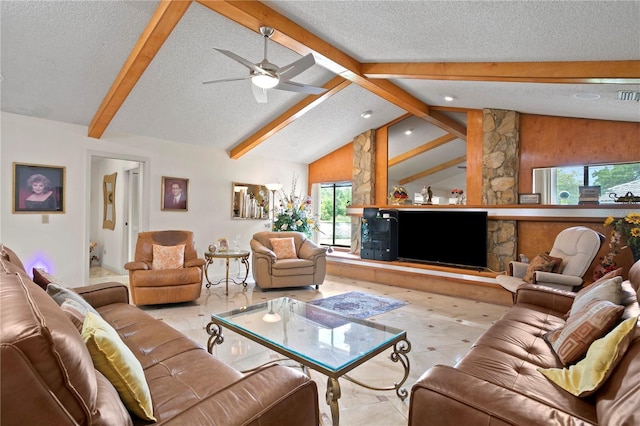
{"points": [[155, 286], [576, 246], [309, 268]]}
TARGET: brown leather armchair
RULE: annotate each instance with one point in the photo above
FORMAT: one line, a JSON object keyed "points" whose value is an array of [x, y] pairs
{"points": [[154, 286], [309, 268]]}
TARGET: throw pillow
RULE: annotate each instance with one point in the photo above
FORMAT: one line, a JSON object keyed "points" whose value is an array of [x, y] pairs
{"points": [[60, 294], [595, 319], [610, 290], [542, 262], [75, 312], [115, 360], [168, 257], [284, 248], [43, 278], [586, 377]]}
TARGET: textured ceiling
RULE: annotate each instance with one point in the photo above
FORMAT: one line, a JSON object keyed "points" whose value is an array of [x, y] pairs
{"points": [[59, 59]]}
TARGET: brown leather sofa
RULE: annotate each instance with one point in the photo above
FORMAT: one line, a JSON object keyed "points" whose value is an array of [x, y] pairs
{"points": [[155, 286], [48, 378], [309, 268], [497, 381]]}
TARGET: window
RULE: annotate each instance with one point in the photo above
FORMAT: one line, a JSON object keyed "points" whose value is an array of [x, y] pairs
{"points": [[563, 183], [334, 222]]}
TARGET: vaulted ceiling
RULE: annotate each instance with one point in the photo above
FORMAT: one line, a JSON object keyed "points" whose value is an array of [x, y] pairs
{"points": [[138, 67]]}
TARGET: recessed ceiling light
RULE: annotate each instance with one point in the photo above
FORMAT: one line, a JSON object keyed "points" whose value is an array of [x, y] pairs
{"points": [[408, 132], [366, 114], [448, 98], [586, 96]]}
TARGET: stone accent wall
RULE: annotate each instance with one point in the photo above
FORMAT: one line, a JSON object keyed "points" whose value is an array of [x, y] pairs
{"points": [[500, 159], [363, 180]]}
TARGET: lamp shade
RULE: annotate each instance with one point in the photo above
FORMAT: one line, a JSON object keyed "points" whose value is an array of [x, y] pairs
{"points": [[274, 186]]}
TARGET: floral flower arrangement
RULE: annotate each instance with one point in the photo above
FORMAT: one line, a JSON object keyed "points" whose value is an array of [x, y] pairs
{"points": [[295, 212], [628, 228]]}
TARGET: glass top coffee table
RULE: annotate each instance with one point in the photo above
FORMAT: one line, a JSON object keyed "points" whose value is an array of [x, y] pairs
{"points": [[317, 338]]}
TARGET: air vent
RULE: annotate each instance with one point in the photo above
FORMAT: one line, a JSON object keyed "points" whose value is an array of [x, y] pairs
{"points": [[628, 95]]}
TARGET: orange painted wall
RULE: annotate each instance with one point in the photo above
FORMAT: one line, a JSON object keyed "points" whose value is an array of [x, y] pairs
{"points": [[334, 167], [559, 141]]}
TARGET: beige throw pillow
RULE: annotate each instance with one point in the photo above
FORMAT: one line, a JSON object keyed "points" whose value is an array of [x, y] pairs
{"points": [[610, 290], [284, 248], [168, 257], [594, 320]]}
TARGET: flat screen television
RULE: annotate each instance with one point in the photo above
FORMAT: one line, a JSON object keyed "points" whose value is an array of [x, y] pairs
{"points": [[443, 237]]}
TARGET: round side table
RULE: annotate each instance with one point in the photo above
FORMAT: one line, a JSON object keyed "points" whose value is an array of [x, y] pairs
{"points": [[243, 255]]}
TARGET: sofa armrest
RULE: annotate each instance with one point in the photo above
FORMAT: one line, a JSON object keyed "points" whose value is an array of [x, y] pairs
{"points": [[551, 278], [260, 250], [270, 396], [198, 262], [518, 269], [310, 250], [104, 294], [545, 297], [136, 266], [447, 396]]}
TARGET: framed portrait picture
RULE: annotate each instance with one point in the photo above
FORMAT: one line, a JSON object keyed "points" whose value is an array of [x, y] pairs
{"points": [[529, 198], [38, 188], [223, 244], [175, 194]]}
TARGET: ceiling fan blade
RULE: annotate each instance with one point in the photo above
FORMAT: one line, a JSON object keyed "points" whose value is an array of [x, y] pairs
{"points": [[227, 79], [253, 67], [287, 72], [291, 86], [259, 93]]}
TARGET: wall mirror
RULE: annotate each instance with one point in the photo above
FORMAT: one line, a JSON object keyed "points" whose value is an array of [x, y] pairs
{"points": [[109, 194], [561, 185], [421, 154], [250, 201]]}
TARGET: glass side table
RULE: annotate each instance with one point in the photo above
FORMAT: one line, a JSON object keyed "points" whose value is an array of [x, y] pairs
{"points": [[243, 255]]}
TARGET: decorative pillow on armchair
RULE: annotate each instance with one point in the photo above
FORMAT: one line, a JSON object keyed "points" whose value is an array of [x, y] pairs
{"points": [[542, 262], [168, 257], [284, 248]]}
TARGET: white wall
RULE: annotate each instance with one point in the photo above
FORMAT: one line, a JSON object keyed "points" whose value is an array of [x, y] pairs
{"points": [[62, 245]]}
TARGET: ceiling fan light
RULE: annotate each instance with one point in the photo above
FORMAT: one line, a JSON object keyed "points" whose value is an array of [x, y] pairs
{"points": [[264, 81]]}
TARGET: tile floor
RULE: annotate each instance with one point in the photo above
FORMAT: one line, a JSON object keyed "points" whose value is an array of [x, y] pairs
{"points": [[440, 329]]}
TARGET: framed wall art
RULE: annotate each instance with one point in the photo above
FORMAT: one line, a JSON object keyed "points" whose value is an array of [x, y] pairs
{"points": [[529, 198], [38, 188], [175, 193]]}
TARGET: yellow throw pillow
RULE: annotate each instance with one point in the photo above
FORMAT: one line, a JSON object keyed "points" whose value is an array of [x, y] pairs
{"points": [[115, 360], [585, 377], [168, 257], [284, 248]]}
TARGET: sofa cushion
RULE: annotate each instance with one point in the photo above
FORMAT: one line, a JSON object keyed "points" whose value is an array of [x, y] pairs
{"points": [[595, 319], [168, 257], [542, 262], [586, 377], [284, 248], [75, 312], [116, 361], [610, 290], [43, 278]]}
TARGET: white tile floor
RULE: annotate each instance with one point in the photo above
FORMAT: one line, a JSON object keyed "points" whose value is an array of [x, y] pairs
{"points": [[440, 329]]}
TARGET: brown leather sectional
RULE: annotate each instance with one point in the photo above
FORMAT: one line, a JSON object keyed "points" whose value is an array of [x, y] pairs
{"points": [[48, 378], [497, 382]]}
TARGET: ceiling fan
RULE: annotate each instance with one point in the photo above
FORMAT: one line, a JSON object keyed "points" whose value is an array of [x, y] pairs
{"points": [[265, 75]]}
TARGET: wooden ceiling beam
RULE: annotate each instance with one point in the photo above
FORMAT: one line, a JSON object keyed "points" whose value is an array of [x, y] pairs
{"points": [[162, 23], [421, 149], [433, 170], [253, 15], [576, 72], [333, 86]]}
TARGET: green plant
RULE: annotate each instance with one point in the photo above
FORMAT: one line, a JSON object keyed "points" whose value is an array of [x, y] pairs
{"points": [[295, 212], [628, 228]]}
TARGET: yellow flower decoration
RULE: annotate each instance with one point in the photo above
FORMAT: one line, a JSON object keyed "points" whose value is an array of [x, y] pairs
{"points": [[633, 218], [608, 221]]}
